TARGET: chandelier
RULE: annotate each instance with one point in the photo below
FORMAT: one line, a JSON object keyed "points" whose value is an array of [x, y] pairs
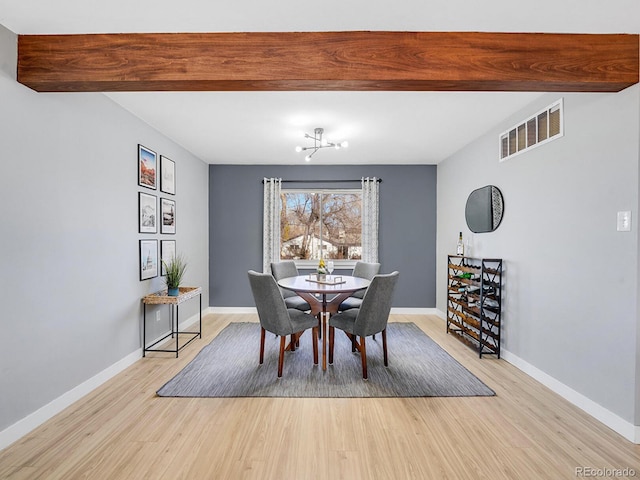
{"points": [[319, 142]]}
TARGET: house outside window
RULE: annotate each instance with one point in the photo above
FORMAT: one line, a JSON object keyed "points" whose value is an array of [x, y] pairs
{"points": [[318, 224]]}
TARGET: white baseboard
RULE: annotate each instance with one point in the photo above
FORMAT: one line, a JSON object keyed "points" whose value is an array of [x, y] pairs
{"points": [[37, 418], [222, 310], [405, 311], [626, 429], [619, 425], [413, 311], [22, 427]]}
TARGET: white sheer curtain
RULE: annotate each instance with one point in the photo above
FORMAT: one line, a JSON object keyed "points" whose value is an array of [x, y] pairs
{"points": [[271, 223], [370, 204]]}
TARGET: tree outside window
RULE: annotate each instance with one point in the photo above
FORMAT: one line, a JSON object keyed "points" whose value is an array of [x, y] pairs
{"points": [[321, 224]]}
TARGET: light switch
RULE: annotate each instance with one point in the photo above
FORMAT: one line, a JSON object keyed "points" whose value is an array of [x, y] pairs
{"points": [[624, 221]]}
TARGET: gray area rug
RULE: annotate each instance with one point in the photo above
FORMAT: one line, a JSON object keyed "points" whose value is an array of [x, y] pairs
{"points": [[418, 367]]}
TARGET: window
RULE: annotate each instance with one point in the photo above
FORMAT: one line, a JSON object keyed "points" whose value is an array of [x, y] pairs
{"points": [[315, 223], [539, 129]]}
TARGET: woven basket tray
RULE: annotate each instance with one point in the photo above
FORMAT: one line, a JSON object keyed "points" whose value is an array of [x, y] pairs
{"points": [[161, 297]]}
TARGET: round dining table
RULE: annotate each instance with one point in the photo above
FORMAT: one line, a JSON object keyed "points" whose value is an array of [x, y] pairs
{"points": [[325, 296]]}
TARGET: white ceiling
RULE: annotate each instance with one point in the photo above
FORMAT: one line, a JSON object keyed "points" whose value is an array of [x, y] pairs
{"points": [[265, 127]]}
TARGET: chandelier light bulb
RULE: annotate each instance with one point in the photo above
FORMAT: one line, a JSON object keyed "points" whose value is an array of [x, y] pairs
{"points": [[344, 144], [307, 158], [298, 149]]}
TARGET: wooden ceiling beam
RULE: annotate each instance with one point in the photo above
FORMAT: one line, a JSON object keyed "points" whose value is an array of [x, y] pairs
{"points": [[401, 61]]}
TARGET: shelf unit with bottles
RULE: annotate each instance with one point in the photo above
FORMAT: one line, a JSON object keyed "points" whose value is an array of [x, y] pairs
{"points": [[474, 302]]}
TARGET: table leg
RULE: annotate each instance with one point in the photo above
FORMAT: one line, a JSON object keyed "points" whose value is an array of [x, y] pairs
{"points": [[177, 328], [324, 331], [324, 341], [144, 329], [171, 319]]}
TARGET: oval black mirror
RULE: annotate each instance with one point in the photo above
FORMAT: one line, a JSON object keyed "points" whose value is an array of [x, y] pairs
{"points": [[484, 209]]}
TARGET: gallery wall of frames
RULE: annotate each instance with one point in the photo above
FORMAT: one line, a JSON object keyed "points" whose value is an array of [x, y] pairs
{"points": [[156, 211]]}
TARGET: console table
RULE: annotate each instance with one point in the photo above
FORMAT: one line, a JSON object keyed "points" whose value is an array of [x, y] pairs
{"points": [[161, 298]]}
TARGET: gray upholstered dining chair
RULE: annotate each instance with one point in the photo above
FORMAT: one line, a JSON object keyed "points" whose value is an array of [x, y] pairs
{"points": [[362, 270], [276, 318], [285, 269], [369, 319]]}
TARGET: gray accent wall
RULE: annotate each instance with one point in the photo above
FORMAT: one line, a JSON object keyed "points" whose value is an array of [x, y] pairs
{"points": [[407, 233], [70, 289], [571, 279]]}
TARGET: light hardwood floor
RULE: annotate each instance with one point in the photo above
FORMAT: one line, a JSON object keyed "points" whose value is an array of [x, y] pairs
{"points": [[123, 431]]}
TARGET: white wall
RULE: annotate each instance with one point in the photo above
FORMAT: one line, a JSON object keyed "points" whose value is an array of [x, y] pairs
{"points": [[571, 280], [70, 289], [635, 222]]}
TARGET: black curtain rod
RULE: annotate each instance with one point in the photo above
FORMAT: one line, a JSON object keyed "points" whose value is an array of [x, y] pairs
{"points": [[379, 180]]}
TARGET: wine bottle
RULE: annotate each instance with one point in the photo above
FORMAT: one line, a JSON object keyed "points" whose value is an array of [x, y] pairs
{"points": [[460, 248]]}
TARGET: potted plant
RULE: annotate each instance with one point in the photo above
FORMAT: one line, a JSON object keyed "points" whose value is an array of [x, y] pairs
{"points": [[175, 271]]}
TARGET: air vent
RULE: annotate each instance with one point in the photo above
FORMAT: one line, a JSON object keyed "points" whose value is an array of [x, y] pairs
{"points": [[541, 128]]}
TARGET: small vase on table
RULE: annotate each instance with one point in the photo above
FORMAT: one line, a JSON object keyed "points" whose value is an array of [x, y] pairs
{"points": [[322, 270]]}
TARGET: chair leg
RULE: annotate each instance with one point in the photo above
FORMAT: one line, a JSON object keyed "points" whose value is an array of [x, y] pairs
{"points": [[363, 354], [262, 335], [294, 342], [353, 343], [332, 333], [384, 347], [314, 339], [320, 325], [283, 341]]}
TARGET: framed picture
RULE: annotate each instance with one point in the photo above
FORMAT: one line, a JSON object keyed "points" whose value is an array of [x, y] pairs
{"points": [[148, 259], [167, 253], [147, 213], [167, 175], [168, 215], [147, 168]]}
